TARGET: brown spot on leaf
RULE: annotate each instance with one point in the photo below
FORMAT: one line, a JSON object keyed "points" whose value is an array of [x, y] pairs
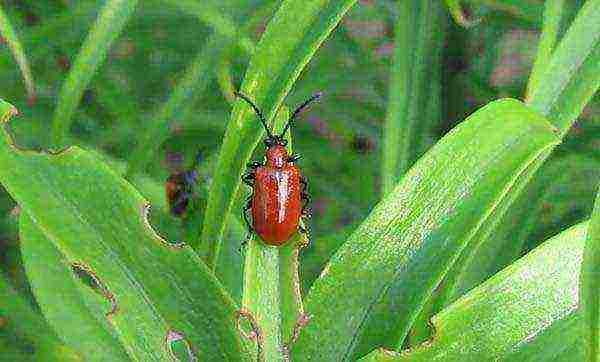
{"points": [[89, 278]]}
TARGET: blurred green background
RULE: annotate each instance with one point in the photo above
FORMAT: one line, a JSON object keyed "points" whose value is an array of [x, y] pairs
{"points": [[340, 138]]}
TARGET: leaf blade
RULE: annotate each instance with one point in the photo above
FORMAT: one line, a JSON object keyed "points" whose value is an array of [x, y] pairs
{"points": [[577, 53], [588, 289], [91, 215], [292, 37], [11, 38], [528, 311], [421, 244], [53, 286], [106, 29]]}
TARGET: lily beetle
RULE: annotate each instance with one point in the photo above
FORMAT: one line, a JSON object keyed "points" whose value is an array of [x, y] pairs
{"points": [[279, 191]]}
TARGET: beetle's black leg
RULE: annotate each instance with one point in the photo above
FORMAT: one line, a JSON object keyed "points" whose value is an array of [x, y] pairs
{"points": [[254, 164], [248, 178], [304, 196], [247, 207], [294, 157], [305, 200], [245, 210], [302, 230]]}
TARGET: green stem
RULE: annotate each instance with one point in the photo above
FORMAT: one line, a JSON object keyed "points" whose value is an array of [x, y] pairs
{"points": [[12, 40], [572, 76], [548, 38], [415, 31], [270, 274], [588, 289], [400, 81]]}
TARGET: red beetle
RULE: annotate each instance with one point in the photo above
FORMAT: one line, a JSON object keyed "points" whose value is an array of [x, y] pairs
{"points": [[279, 196]]}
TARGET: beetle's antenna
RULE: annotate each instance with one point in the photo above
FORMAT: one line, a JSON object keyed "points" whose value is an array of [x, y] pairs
{"points": [[258, 112], [299, 109]]}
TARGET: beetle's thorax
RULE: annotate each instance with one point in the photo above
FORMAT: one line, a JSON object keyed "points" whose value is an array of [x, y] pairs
{"points": [[277, 156]]}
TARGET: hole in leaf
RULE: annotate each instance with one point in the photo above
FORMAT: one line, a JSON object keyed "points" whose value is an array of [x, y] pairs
{"points": [[249, 329], [155, 221], [27, 143], [179, 347], [89, 278]]}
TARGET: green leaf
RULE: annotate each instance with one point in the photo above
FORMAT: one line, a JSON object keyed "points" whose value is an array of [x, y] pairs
{"points": [[572, 76], [211, 15], [530, 10], [272, 285], [413, 236], [19, 319], [231, 265], [589, 293], [505, 242], [416, 31], [548, 38], [195, 80], [12, 40], [98, 221], [290, 40], [55, 286], [108, 26], [527, 312]]}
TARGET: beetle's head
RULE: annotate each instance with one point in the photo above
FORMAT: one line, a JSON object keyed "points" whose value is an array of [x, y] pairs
{"points": [[277, 155]]}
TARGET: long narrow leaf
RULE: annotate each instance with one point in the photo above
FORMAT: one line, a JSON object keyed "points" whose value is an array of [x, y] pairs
{"points": [[159, 290], [11, 38], [503, 243], [291, 39], [589, 291], [54, 285], [527, 312], [399, 94], [577, 54], [415, 234], [108, 26], [548, 38]]}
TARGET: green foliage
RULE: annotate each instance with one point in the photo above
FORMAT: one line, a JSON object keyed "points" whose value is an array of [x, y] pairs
{"points": [[429, 180], [589, 293], [9, 35], [496, 321]]}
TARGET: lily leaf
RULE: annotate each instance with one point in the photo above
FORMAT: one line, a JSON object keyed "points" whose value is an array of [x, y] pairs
{"points": [[54, 285], [97, 220], [290, 40], [589, 292], [526, 312], [414, 235]]}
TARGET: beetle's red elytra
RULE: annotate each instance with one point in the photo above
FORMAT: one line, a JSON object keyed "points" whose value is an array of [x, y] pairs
{"points": [[279, 191]]}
